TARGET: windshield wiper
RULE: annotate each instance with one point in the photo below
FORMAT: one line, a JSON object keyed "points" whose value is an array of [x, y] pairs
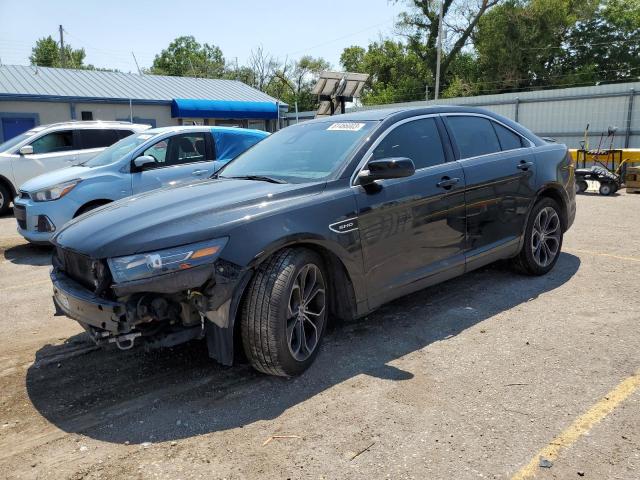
{"points": [[260, 178]]}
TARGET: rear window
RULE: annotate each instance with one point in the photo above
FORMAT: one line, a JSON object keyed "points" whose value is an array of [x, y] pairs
{"points": [[508, 139], [474, 136], [97, 138]]}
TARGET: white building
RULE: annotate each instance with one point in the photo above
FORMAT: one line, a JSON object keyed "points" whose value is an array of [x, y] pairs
{"points": [[31, 96]]}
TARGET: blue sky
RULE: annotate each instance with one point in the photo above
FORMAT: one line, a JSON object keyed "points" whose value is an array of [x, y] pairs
{"points": [[110, 31]]}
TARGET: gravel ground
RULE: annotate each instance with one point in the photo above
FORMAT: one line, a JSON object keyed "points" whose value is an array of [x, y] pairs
{"points": [[468, 379]]}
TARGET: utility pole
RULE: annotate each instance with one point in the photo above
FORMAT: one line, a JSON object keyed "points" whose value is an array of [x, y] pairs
{"points": [[135, 60], [439, 52], [426, 92], [62, 47]]}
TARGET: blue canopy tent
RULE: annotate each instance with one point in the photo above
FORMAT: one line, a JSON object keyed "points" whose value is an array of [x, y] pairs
{"points": [[199, 108]]}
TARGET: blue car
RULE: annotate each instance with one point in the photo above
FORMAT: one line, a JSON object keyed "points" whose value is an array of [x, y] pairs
{"points": [[145, 161]]}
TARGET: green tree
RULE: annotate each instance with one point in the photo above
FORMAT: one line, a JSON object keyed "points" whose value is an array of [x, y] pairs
{"points": [[604, 48], [294, 82], [396, 72], [519, 43], [420, 25], [186, 57], [46, 53]]}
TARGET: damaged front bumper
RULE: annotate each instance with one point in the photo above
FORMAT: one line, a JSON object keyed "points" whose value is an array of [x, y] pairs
{"points": [[161, 311]]}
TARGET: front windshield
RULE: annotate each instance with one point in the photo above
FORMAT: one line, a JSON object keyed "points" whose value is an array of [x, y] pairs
{"points": [[302, 153], [12, 142], [118, 150]]}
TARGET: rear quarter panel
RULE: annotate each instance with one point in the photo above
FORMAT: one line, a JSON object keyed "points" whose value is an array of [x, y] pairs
{"points": [[555, 169]]}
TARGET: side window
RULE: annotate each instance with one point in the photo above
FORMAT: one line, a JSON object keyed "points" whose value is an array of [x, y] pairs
{"points": [[179, 149], [474, 136], [124, 133], [158, 151], [418, 140], [187, 148], [54, 142], [508, 139], [97, 138]]}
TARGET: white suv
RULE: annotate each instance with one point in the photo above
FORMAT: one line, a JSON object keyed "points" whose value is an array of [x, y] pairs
{"points": [[50, 147]]}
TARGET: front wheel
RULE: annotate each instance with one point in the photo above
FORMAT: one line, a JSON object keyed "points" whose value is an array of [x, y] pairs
{"points": [[542, 239], [606, 189], [284, 313], [5, 199]]}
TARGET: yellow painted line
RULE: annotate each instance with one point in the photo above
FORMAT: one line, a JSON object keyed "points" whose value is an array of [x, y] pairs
{"points": [[600, 254], [39, 282], [581, 425]]}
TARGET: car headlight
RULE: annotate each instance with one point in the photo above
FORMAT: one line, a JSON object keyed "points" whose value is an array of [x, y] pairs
{"points": [[55, 192], [151, 264]]}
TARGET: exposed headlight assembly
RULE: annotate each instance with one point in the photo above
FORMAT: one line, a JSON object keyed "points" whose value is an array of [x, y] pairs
{"points": [[151, 264], [55, 192]]}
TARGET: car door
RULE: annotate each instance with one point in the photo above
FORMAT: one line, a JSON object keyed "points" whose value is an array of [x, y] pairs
{"points": [[500, 174], [412, 229], [179, 157], [51, 151]]}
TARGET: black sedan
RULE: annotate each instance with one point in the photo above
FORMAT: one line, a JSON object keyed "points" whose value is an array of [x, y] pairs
{"points": [[331, 217]]}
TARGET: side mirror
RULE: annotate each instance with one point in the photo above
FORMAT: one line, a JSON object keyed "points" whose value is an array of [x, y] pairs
{"points": [[144, 162], [26, 150], [383, 168]]}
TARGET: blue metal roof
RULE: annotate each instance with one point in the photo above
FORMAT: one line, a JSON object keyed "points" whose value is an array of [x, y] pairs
{"points": [[69, 84]]}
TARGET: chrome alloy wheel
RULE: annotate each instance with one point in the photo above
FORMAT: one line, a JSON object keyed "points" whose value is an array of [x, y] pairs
{"points": [[306, 313], [545, 237]]}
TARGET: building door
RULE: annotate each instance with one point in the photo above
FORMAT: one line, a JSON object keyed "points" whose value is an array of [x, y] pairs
{"points": [[12, 127]]}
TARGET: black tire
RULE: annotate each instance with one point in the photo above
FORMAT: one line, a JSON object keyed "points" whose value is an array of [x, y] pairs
{"points": [[268, 326], [606, 189], [581, 186], [5, 199], [530, 259]]}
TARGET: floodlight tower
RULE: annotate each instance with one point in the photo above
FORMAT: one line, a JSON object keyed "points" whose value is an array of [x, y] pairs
{"points": [[335, 89]]}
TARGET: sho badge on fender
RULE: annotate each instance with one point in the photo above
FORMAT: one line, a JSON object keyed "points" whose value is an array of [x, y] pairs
{"points": [[344, 226]]}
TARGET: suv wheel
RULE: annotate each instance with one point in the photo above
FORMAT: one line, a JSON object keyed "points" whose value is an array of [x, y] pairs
{"points": [[542, 239], [284, 313], [5, 199]]}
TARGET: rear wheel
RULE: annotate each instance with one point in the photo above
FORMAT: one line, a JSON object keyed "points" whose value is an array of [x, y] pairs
{"points": [[284, 313], [5, 199], [581, 186], [542, 239]]}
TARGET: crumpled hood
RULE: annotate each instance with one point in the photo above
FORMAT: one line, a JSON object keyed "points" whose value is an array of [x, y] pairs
{"points": [[176, 216], [50, 179]]}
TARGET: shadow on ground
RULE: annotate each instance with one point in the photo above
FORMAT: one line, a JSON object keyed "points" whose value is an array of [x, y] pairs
{"points": [[134, 396], [29, 254]]}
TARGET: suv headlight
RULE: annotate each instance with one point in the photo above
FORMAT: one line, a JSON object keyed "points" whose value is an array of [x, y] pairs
{"points": [[151, 264], [55, 192]]}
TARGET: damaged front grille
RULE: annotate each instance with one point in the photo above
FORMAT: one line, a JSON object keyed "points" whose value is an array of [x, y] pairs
{"points": [[91, 274]]}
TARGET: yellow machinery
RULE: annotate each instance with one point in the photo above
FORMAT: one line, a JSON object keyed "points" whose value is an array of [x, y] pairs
{"points": [[623, 163]]}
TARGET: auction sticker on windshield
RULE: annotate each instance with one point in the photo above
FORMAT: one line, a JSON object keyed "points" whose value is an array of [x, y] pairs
{"points": [[346, 126]]}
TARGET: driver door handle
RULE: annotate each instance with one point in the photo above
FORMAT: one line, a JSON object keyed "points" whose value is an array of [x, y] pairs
{"points": [[447, 182], [524, 165], [199, 172]]}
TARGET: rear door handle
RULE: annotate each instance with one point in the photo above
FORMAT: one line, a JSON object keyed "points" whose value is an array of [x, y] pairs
{"points": [[199, 172], [447, 182], [524, 165]]}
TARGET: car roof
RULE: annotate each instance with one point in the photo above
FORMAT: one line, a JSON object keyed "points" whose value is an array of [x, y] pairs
{"points": [[81, 124], [378, 114], [201, 128]]}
